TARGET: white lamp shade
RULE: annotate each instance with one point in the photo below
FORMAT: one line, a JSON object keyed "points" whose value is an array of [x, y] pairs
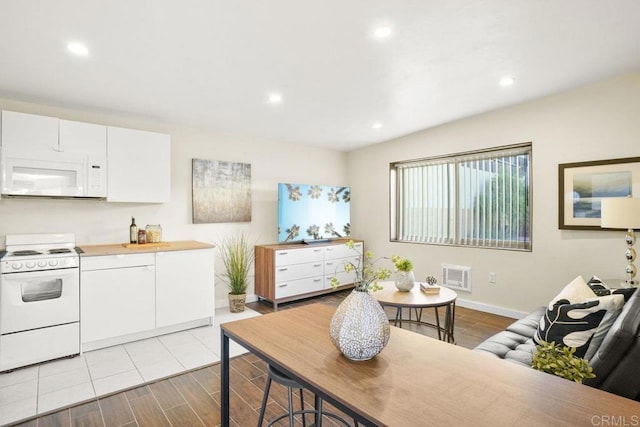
{"points": [[620, 212]]}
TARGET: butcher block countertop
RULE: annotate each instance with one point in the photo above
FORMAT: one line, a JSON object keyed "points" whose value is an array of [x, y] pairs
{"points": [[122, 249]]}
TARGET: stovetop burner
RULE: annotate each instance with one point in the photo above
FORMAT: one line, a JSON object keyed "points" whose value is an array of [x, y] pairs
{"points": [[25, 253], [60, 251]]}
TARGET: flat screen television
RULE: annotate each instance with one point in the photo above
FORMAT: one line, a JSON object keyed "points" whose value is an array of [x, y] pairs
{"points": [[311, 213]]}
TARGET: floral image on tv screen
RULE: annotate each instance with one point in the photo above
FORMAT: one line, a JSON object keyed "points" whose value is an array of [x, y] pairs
{"points": [[313, 212]]}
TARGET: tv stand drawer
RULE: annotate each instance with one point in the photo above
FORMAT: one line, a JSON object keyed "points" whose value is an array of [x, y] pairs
{"points": [[299, 287]]}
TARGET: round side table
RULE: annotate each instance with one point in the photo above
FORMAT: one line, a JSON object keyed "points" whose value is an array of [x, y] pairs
{"points": [[390, 296]]}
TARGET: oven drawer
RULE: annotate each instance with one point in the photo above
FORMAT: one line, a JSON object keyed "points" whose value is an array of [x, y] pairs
{"points": [[39, 345], [104, 262]]}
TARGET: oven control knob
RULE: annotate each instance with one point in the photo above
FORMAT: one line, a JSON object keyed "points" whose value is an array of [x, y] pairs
{"points": [[53, 263], [16, 265], [31, 264], [42, 263]]}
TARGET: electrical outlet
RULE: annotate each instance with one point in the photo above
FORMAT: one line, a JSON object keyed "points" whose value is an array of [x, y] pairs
{"points": [[492, 277]]}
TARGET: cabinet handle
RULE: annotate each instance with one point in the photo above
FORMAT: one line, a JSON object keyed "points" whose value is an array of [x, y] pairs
{"points": [[329, 249], [317, 265], [330, 263], [283, 253], [283, 269], [284, 285], [317, 250], [317, 280]]}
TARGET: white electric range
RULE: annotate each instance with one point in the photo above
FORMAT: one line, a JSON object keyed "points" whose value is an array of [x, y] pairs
{"points": [[39, 299]]}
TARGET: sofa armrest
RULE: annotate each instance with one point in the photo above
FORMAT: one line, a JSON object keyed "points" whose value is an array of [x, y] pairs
{"points": [[616, 361]]}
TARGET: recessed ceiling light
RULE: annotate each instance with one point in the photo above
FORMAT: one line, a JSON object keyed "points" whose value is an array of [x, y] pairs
{"points": [[376, 125], [78, 49], [275, 98], [507, 81], [382, 32]]}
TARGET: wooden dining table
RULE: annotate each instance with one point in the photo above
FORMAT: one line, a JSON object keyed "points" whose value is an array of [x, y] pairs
{"points": [[417, 380]]}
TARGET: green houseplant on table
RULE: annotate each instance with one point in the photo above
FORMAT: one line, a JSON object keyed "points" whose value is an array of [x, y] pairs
{"points": [[237, 257], [405, 279]]}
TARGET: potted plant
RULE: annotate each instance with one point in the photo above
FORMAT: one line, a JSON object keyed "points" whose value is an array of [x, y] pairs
{"points": [[404, 267], [237, 257], [560, 361]]}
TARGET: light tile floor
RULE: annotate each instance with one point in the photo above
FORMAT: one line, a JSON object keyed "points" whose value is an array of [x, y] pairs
{"points": [[48, 386]]}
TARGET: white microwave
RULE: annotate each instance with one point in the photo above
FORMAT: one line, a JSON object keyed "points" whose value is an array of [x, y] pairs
{"points": [[68, 175]]}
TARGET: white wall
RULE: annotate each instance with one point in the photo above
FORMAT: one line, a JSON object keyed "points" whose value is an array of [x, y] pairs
{"points": [[597, 122], [102, 222]]}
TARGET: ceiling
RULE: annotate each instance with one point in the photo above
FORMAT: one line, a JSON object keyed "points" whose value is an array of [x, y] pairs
{"points": [[212, 64]]}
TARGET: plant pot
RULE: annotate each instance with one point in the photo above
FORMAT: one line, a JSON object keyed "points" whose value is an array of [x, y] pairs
{"points": [[237, 302], [405, 281], [360, 327]]}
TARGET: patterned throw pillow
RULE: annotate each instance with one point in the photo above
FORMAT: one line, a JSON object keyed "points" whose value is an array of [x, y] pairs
{"points": [[600, 289], [574, 316]]}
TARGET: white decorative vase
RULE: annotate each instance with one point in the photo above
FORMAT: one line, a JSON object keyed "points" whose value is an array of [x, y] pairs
{"points": [[405, 281], [360, 327]]}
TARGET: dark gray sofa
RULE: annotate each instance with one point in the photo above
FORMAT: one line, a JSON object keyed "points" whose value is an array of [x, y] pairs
{"points": [[616, 363]]}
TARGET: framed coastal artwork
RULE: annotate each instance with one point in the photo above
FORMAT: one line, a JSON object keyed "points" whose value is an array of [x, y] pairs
{"points": [[221, 191], [582, 186]]}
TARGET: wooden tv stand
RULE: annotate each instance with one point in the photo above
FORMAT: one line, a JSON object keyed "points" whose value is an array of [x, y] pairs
{"points": [[287, 272]]}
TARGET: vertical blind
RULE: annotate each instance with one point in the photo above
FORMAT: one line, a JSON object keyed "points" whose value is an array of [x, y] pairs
{"points": [[473, 199]]}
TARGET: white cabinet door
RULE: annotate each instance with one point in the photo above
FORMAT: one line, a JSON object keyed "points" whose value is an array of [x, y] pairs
{"points": [[86, 138], [29, 133], [184, 286], [116, 302], [139, 166]]}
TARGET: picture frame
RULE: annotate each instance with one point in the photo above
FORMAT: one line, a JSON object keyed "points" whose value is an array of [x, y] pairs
{"points": [[582, 186], [220, 191]]}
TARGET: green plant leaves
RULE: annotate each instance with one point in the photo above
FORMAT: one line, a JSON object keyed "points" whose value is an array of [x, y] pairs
{"points": [[560, 361]]}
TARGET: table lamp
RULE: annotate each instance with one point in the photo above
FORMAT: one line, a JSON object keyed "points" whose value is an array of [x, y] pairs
{"points": [[623, 212]]}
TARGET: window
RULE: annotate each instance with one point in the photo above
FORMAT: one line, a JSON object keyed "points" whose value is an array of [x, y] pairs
{"points": [[480, 199]]}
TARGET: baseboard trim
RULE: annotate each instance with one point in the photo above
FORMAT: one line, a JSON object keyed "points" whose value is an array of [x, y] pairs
{"points": [[474, 305], [493, 309]]}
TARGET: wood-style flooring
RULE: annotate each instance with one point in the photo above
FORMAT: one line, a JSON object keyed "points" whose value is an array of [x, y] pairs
{"points": [[193, 398]]}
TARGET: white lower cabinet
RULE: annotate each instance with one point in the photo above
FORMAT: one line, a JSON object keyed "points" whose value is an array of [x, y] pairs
{"points": [[184, 286], [135, 296], [117, 301]]}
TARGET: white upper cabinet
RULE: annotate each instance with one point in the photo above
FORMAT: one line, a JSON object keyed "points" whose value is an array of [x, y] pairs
{"points": [[29, 133], [139, 166], [87, 138]]}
